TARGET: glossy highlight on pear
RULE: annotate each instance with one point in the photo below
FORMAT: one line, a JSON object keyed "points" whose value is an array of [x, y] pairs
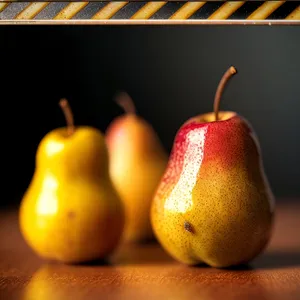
{"points": [[137, 163], [71, 211], [216, 187]]}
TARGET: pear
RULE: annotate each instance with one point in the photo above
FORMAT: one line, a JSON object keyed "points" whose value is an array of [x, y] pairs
{"points": [[71, 211], [137, 162], [214, 204]]}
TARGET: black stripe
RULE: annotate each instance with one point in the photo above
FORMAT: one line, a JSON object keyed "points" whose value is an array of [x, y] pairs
{"points": [[128, 10], [51, 10], [246, 10], [168, 10], [12, 10], [90, 10], [206, 10], [284, 10]]}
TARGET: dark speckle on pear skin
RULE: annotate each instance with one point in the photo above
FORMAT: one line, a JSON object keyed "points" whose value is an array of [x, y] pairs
{"points": [[188, 227], [71, 214]]}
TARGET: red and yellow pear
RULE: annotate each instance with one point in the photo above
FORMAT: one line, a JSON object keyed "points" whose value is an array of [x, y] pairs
{"points": [[214, 204], [137, 162], [71, 211]]}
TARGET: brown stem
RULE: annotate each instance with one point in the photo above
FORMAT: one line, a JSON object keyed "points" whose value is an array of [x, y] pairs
{"points": [[227, 75], [65, 106], [125, 101]]}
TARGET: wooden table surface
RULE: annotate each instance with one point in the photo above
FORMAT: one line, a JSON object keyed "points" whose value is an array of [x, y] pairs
{"points": [[147, 272]]}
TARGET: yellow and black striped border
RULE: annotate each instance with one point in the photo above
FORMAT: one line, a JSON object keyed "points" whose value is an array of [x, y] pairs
{"points": [[158, 12]]}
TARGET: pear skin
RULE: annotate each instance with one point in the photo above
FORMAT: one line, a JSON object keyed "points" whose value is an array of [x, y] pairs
{"points": [[214, 203], [71, 211], [137, 163]]}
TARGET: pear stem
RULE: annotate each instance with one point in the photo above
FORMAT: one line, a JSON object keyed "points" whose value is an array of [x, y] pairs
{"points": [[126, 102], [227, 75], [65, 106]]}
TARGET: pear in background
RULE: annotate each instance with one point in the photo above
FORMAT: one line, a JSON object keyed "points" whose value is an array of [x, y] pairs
{"points": [[214, 203], [137, 162], [71, 211]]}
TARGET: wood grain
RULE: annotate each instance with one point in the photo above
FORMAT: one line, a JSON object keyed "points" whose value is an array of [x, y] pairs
{"points": [[147, 272]]}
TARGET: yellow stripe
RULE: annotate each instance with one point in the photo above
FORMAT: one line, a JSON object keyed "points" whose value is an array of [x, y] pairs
{"points": [[70, 10], [148, 10], [226, 10], [109, 10], [265, 10], [30, 11], [3, 5], [294, 15], [187, 10]]}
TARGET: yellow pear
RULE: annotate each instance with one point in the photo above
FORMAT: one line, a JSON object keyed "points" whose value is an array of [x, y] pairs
{"points": [[71, 211], [214, 203], [137, 162]]}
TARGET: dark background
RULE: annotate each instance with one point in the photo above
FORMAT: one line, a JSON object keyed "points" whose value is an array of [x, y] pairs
{"points": [[171, 72]]}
